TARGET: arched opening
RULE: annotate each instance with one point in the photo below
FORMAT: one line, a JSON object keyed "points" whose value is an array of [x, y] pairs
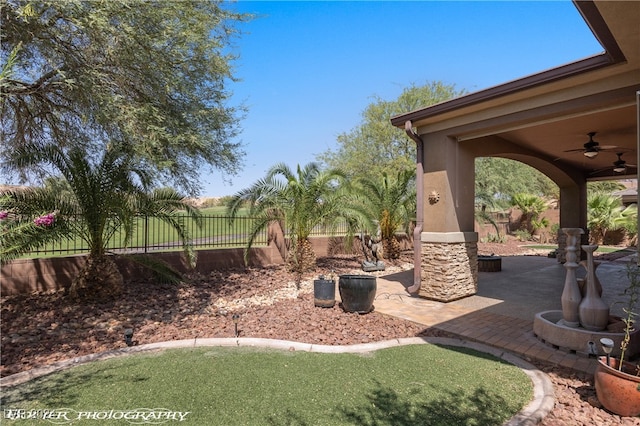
{"points": [[514, 200]]}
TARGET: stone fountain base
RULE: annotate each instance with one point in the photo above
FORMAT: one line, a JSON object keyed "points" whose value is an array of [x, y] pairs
{"points": [[549, 327]]}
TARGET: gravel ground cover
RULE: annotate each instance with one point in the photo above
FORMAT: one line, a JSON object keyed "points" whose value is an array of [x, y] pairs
{"points": [[40, 329]]}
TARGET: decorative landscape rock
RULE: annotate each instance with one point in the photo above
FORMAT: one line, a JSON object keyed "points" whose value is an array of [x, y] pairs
{"points": [[285, 318]]}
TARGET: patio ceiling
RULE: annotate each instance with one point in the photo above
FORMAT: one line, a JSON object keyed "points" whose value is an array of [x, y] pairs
{"points": [[550, 113]]}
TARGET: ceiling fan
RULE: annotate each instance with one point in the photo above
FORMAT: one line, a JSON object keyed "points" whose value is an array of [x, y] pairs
{"points": [[591, 148], [619, 166]]}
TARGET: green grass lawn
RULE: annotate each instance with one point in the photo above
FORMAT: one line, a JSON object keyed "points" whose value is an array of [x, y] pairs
{"points": [[407, 385]]}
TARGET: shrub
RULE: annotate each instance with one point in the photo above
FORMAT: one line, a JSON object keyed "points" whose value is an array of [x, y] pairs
{"points": [[523, 235], [493, 238]]}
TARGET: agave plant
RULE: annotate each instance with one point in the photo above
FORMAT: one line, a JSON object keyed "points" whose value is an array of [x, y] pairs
{"points": [[103, 198]]}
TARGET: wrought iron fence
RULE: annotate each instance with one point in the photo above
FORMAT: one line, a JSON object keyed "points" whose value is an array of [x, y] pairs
{"points": [[152, 235]]}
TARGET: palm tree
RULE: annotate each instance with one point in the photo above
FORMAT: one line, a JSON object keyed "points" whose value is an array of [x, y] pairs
{"points": [[389, 203], [605, 212], [296, 203], [531, 207], [486, 203], [103, 198]]}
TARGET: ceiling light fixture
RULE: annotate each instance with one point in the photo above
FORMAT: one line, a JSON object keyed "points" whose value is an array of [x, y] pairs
{"points": [[620, 165], [592, 147], [591, 153]]}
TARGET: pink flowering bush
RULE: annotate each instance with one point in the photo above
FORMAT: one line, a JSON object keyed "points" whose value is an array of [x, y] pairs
{"points": [[45, 221], [3, 215]]}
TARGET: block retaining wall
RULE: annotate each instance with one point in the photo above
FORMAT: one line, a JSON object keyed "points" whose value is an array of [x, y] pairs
{"points": [[55, 273]]}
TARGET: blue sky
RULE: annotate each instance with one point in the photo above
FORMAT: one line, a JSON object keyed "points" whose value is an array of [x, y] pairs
{"points": [[309, 69]]}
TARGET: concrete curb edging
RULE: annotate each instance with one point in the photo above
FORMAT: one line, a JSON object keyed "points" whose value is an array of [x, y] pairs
{"points": [[543, 394]]}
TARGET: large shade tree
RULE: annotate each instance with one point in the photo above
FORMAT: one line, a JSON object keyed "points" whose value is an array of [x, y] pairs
{"points": [[375, 146], [297, 202], [92, 200], [499, 179], [153, 76]]}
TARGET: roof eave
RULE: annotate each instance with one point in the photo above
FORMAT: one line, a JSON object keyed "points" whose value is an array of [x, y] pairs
{"points": [[612, 55]]}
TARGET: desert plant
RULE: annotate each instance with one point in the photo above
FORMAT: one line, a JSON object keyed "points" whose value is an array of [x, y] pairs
{"points": [[494, 238], [388, 202], [296, 203], [103, 197], [605, 212], [632, 292], [538, 224], [522, 235], [482, 216], [531, 207], [617, 381], [555, 229], [486, 203]]}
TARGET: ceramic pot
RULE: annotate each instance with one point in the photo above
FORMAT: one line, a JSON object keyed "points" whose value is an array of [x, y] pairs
{"points": [[571, 296], [594, 313], [324, 293], [357, 292], [617, 391], [583, 289]]}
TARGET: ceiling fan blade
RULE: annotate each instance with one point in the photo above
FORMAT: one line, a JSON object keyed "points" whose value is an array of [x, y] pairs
{"points": [[595, 172], [575, 150], [612, 168]]}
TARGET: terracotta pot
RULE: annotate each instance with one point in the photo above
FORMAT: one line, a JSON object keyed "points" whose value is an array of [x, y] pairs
{"points": [[617, 391]]}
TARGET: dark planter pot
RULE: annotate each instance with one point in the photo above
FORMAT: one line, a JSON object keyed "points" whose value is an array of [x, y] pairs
{"points": [[324, 293], [357, 293], [489, 264]]}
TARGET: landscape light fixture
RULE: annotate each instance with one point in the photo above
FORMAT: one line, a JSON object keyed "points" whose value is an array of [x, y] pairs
{"points": [[128, 336], [236, 318], [607, 347]]}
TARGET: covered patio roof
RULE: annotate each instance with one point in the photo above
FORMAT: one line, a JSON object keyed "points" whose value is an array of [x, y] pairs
{"points": [[549, 115]]}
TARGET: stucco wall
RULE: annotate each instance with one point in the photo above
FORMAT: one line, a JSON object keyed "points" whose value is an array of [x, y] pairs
{"points": [[55, 273]]}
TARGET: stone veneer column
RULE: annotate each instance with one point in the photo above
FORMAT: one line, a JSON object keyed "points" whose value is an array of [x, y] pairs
{"points": [[449, 267]]}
